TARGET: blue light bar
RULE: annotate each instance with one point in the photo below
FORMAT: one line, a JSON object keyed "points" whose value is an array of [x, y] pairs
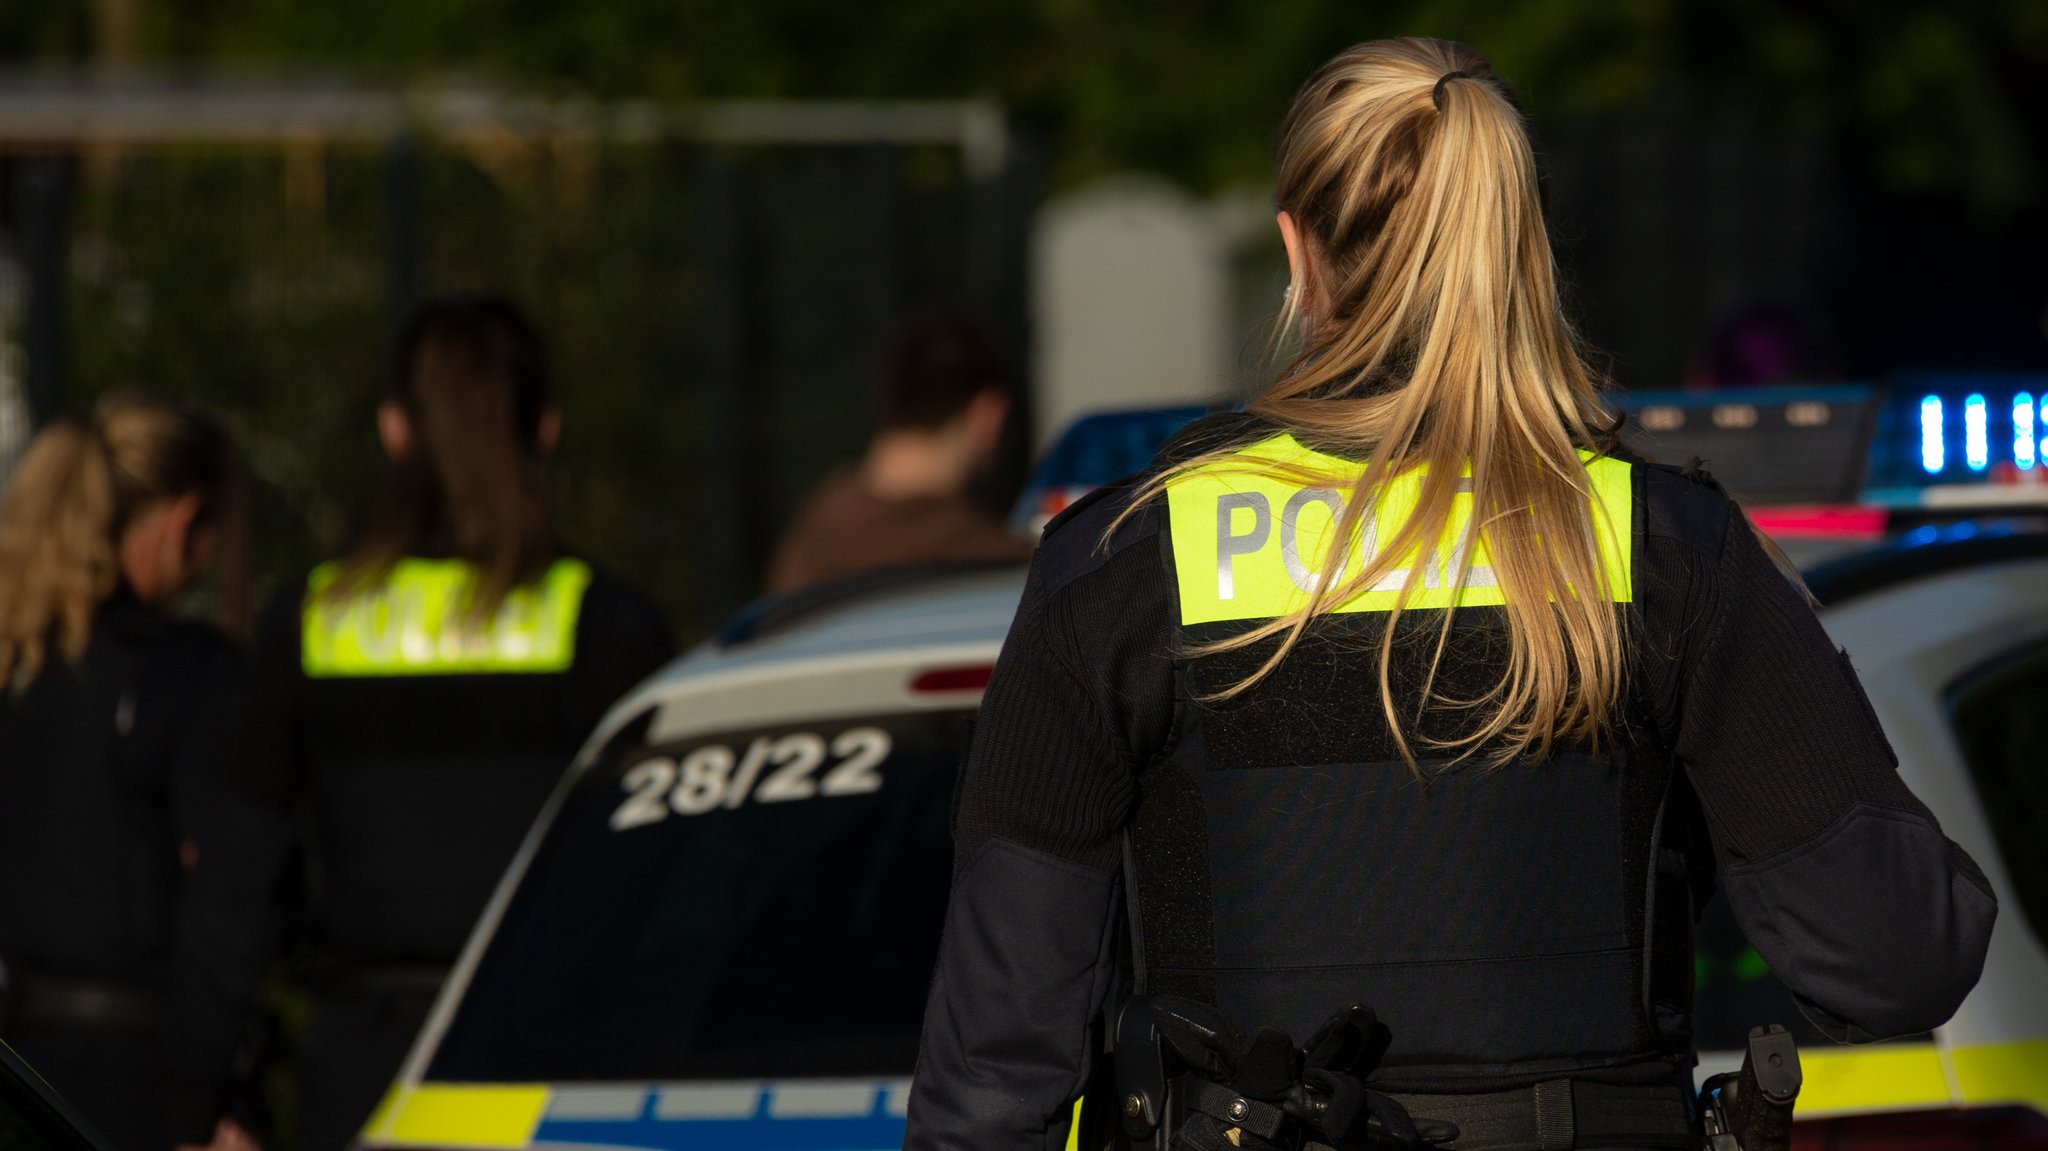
{"points": [[1976, 433], [2023, 443], [1933, 453]]}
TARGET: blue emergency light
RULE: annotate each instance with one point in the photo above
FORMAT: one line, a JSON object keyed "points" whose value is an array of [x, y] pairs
{"points": [[1957, 428], [2023, 454], [1976, 433], [1933, 451]]}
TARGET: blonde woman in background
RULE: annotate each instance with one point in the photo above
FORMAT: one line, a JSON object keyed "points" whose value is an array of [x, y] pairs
{"points": [[1404, 711], [130, 953]]}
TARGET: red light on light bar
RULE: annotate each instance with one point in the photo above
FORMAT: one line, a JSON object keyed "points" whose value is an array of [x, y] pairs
{"points": [[949, 679], [1853, 522]]}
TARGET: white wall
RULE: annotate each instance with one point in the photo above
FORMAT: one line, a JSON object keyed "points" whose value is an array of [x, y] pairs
{"points": [[1134, 298]]}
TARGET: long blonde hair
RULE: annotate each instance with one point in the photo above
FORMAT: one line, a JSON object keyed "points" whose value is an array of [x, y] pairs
{"points": [[72, 494], [1439, 346]]}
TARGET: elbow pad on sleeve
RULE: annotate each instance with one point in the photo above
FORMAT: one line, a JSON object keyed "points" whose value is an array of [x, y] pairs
{"points": [[1022, 973], [1871, 924]]}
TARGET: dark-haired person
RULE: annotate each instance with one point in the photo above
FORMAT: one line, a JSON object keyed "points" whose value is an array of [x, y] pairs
{"points": [[417, 698], [1402, 689], [940, 401], [129, 971]]}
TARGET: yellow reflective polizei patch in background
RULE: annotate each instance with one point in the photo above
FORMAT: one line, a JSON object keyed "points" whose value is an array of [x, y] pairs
{"points": [[1249, 540], [484, 1116], [416, 622]]}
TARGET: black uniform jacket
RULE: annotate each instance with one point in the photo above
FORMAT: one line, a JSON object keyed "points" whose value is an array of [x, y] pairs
{"points": [[413, 792], [111, 768], [1837, 873]]}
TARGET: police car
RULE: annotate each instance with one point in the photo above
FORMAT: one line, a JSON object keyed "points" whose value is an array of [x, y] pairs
{"points": [[720, 932]]}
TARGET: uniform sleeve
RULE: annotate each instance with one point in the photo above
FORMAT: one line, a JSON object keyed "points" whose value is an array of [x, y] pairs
{"points": [[1028, 955], [225, 918], [1840, 877]]}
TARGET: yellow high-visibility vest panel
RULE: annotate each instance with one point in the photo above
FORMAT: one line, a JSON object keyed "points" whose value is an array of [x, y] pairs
{"points": [[1249, 543], [417, 622]]}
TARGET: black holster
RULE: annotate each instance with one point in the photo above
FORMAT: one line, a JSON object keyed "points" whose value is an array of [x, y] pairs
{"points": [[1751, 1109]]}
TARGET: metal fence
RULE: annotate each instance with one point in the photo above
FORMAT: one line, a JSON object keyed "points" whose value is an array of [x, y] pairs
{"points": [[712, 281]]}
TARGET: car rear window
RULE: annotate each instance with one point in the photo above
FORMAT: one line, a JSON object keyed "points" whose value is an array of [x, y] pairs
{"points": [[2001, 721], [759, 902]]}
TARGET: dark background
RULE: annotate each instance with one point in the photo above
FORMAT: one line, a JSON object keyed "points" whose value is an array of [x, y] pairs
{"points": [[1873, 170]]}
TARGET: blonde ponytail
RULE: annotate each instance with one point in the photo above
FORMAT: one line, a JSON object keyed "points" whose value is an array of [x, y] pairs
{"points": [[1438, 348], [64, 508]]}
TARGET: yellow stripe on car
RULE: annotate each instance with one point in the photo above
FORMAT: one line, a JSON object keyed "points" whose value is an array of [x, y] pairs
{"points": [[479, 1116], [1910, 1076], [2004, 1073], [1888, 1077]]}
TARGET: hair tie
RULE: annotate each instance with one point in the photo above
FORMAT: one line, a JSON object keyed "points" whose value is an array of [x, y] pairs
{"points": [[1436, 95]]}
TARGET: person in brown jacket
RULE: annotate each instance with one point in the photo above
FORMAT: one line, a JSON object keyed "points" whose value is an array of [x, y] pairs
{"points": [[941, 401]]}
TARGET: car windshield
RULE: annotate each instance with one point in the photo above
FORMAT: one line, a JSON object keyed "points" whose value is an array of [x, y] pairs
{"points": [[759, 902]]}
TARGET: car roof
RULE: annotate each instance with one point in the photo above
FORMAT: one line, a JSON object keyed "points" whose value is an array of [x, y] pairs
{"points": [[1924, 552], [940, 610]]}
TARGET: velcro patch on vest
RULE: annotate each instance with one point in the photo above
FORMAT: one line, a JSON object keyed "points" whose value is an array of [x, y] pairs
{"points": [[1250, 541], [417, 621]]}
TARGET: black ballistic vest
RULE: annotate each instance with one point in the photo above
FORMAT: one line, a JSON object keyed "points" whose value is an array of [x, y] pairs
{"points": [[1509, 924]]}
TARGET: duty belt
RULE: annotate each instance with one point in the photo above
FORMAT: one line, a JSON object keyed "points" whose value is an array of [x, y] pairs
{"points": [[1556, 1115], [1560, 1114], [1187, 1080]]}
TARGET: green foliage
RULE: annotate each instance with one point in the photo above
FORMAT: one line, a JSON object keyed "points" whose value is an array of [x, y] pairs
{"points": [[1943, 93], [45, 31]]}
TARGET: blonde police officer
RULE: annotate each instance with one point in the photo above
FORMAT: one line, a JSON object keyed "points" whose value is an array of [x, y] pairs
{"points": [[418, 698], [1404, 689]]}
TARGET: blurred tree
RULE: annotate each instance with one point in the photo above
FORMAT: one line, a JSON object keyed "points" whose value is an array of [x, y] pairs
{"points": [[52, 32], [1945, 95]]}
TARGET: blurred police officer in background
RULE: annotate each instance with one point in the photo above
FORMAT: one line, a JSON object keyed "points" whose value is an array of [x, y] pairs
{"points": [[418, 698], [941, 397], [130, 970], [1402, 689]]}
